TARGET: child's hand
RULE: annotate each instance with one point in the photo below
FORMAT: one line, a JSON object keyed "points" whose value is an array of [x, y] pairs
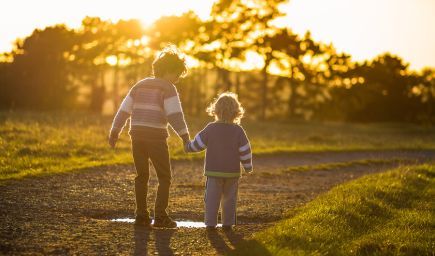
{"points": [[186, 141], [112, 141], [186, 147]]}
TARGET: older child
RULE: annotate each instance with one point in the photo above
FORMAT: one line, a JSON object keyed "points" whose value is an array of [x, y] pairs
{"points": [[227, 146], [152, 103]]}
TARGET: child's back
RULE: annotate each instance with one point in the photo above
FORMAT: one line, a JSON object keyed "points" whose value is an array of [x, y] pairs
{"points": [[227, 146], [152, 103]]}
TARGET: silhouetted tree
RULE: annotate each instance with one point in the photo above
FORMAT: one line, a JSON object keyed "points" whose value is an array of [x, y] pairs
{"points": [[423, 90], [239, 25], [299, 77], [38, 76]]}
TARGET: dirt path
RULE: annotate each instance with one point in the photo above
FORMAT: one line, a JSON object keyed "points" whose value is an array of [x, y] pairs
{"points": [[71, 213]]}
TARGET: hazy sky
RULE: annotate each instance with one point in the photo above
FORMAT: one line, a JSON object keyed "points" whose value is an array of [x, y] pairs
{"points": [[363, 28]]}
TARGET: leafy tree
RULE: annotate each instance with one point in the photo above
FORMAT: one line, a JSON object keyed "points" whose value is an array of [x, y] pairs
{"points": [[424, 91], [38, 75], [238, 26], [378, 91], [88, 59]]}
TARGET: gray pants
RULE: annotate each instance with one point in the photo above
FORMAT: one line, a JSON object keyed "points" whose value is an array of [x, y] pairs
{"points": [[221, 191]]}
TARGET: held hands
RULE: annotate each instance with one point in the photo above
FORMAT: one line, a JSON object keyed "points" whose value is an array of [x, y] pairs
{"points": [[186, 141], [186, 146]]}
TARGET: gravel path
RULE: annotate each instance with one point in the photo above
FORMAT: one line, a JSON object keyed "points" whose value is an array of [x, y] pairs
{"points": [[71, 213]]}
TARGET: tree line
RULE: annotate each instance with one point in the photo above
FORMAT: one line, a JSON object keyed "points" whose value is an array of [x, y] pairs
{"points": [[277, 73]]}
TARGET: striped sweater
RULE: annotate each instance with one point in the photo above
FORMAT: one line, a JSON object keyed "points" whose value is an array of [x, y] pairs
{"points": [[226, 147], [151, 103]]}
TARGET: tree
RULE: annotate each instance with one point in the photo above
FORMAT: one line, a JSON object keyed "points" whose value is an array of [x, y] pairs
{"points": [[423, 90], [238, 26], [38, 76], [88, 59]]}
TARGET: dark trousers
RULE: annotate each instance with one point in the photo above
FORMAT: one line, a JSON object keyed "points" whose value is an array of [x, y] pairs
{"points": [[157, 151]]}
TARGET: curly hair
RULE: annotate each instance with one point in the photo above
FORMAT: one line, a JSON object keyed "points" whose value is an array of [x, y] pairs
{"points": [[226, 108], [170, 60]]}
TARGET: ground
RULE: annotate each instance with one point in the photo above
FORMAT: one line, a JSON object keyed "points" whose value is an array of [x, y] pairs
{"points": [[70, 213]]}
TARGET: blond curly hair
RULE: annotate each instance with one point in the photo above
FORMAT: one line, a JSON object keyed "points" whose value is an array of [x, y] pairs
{"points": [[226, 108]]}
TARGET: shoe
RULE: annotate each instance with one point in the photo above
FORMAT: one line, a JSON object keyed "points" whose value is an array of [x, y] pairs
{"points": [[164, 222], [143, 221], [210, 230]]}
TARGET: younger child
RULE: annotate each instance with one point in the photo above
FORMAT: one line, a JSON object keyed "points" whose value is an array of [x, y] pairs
{"points": [[227, 146]]}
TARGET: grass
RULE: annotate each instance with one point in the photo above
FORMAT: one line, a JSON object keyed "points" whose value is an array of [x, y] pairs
{"points": [[341, 165], [34, 143], [391, 213]]}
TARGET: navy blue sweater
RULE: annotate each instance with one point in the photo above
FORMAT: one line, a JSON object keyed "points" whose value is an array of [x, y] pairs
{"points": [[226, 147]]}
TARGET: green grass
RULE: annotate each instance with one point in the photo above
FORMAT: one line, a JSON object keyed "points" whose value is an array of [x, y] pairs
{"points": [[384, 214], [34, 143], [341, 165]]}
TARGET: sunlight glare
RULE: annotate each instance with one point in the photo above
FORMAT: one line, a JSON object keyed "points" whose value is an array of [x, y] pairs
{"points": [[253, 61], [182, 223], [111, 60], [367, 28], [192, 62]]}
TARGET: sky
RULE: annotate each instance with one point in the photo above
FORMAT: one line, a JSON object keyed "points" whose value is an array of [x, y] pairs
{"points": [[362, 28]]}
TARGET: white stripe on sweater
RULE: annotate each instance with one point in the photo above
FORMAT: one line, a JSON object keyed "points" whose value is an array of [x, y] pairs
{"points": [[246, 157], [127, 104], [193, 146], [200, 143], [183, 131], [243, 148], [247, 166], [172, 105]]}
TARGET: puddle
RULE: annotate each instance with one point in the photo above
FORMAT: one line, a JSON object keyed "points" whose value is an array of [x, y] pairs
{"points": [[182, 223]]}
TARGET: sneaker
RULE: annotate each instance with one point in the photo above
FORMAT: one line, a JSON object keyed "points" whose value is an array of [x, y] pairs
{"points": [[210, 230], [164, 222], [144, 221]]}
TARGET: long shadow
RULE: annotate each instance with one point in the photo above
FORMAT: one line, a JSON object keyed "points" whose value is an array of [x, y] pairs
{"points": [[141, 237], [236, 239], [217, 241], [233, 237], [163, 240]]}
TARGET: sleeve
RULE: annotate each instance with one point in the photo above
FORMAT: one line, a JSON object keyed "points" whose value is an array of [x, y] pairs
{"points": [[245, 152], [122, 115], [174, 112], [199, 143]]}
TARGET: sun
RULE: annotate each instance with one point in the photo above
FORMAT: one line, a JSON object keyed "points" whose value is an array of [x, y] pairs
{"points": [[20, 24]]}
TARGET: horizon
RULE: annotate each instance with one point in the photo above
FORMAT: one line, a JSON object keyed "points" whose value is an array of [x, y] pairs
{"points": [[399, 29]]}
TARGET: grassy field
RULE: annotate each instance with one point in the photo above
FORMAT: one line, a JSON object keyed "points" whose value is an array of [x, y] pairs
{"points": [[45, 143], [335, 166], [391, 213]]}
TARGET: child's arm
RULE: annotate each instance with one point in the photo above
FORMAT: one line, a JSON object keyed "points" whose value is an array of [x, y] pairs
{"points": [[174, 113], [121, 117], [245, 153], [199, 143]]}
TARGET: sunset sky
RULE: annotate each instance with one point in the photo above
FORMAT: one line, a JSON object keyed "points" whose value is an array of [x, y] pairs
{"points": [[363, 28]]}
